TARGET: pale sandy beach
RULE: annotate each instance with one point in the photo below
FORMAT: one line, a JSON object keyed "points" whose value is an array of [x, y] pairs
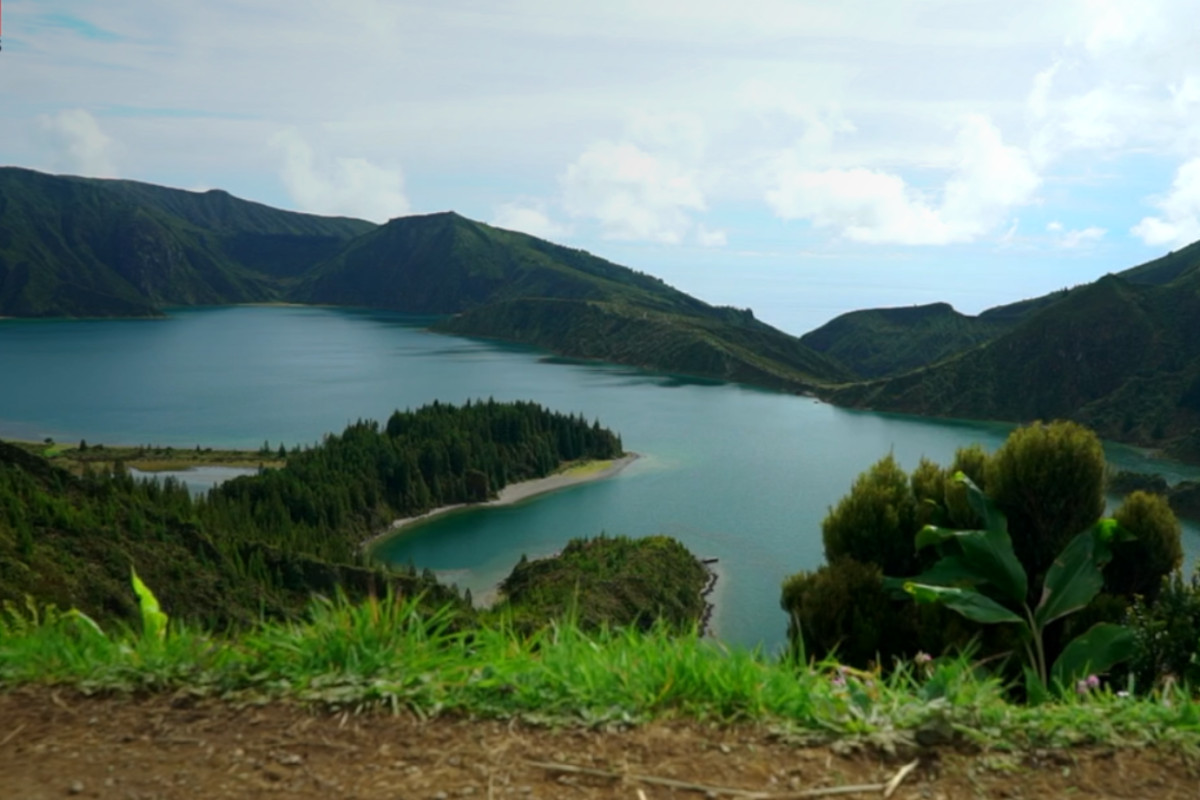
{"points": [[516, 492]]}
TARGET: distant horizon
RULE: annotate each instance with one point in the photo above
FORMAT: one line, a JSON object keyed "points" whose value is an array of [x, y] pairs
{"points": [[795, 157], [818, 304]]}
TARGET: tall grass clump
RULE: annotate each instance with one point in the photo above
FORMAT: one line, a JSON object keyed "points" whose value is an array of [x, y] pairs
{"points": [[391, 653]]}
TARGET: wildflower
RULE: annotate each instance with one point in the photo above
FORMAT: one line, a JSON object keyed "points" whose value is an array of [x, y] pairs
{"points": [[1093, 682], [922, 658], [1081, 687]]}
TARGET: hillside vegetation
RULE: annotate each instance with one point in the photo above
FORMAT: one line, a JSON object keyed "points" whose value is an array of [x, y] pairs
{"points": [[79, 247], [609, 581], [97, 248], [266, 543], [1121, 355]]}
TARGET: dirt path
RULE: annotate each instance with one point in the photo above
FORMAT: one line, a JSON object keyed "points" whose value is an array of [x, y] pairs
{"points": [[58, 744]]}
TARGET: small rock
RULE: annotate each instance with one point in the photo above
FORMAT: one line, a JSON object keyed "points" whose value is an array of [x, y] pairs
{"points": [[726, 749], [76, 787], [290, 760]]}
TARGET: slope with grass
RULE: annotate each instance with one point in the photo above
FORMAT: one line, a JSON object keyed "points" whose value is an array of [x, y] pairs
{"points": [[507, 285], [1122, 357], [614, 581], [886, 341], [726, 345], [93, 248], [84, 247], [267, 542], [70, 541], [483, 710]]}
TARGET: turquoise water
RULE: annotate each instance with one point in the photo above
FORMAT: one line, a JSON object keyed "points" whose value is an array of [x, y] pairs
{"points": [[736, 473]]}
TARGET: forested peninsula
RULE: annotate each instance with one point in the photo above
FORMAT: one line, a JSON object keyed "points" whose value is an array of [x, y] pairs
{"points": [[263, 544], [1119, 354]]}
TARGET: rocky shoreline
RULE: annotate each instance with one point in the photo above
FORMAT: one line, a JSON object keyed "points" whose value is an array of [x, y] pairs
{"points": [[706, 592]]}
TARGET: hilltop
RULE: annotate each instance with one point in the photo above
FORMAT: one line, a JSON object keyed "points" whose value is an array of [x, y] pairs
{"points": [[83, 247], [78, 247], [1121, 355]]}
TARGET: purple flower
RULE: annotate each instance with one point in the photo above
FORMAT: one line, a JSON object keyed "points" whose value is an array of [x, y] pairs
{"points": [[922, 658], [1093, 682]]}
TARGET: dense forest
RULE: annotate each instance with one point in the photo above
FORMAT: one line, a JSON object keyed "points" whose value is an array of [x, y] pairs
{"points": [[265, 543]]}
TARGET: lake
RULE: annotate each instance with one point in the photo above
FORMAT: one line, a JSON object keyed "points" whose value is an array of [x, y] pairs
{"points": [[736, 473]]}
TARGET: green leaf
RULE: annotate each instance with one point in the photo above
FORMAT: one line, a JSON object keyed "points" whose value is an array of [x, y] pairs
{"points": [[934, 535], [154, 621], [1036, 692], [948, 571], [86, 622], [968, 602], [1075, 576], [1092, 653], [993, 518], [987, 556]]}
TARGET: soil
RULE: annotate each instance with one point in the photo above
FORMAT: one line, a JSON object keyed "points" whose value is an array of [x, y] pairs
{"points": [[56, 744]]}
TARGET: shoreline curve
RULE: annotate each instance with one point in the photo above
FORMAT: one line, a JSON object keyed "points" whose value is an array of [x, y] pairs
{"points": [[514, 493]]}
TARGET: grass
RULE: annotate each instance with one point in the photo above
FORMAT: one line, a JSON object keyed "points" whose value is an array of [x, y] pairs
{"points": [[146, 458], [386, 653], [584, 468]]}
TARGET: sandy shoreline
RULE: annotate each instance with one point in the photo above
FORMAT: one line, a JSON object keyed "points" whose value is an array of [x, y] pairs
{"points": [[515, 493]]}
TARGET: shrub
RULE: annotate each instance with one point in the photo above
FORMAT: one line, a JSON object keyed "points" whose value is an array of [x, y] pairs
{"points": [[1048, 479], [1167, 634], [1139, 566], [876, 521], [843, 608]]}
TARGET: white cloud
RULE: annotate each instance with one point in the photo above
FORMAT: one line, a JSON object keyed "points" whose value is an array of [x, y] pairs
{"points": [[1179, 221], [531, 218], [350, 186], [633, 194], [1118, 24], [711, 238], [877, 206], [1072, 239], [80, 146], [682, 134]]}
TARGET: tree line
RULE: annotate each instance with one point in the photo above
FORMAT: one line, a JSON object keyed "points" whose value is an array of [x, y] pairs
{"points": [[265, 542]]}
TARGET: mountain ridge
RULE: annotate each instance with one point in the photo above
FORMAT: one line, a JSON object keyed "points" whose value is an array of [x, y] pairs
{"points": [[95, 247]]}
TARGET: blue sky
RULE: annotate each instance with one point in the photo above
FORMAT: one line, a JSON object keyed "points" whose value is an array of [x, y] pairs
{"points": [[800, 158]]}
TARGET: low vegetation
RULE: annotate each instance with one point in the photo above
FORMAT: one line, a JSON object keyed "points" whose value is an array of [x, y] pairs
{"points": [[608, 581], [79, 458], [1015, 537], [392, 653], [265, 543]]}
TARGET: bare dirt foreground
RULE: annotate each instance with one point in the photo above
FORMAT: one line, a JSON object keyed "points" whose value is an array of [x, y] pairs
{"points": [[59, 744]]}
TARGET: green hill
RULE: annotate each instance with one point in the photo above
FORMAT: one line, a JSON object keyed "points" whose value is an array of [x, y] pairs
{"points": [[90, 248], [93, 248], [883, 342], [886, 341], [1120, 356], [512, 286], [730, 349]]}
